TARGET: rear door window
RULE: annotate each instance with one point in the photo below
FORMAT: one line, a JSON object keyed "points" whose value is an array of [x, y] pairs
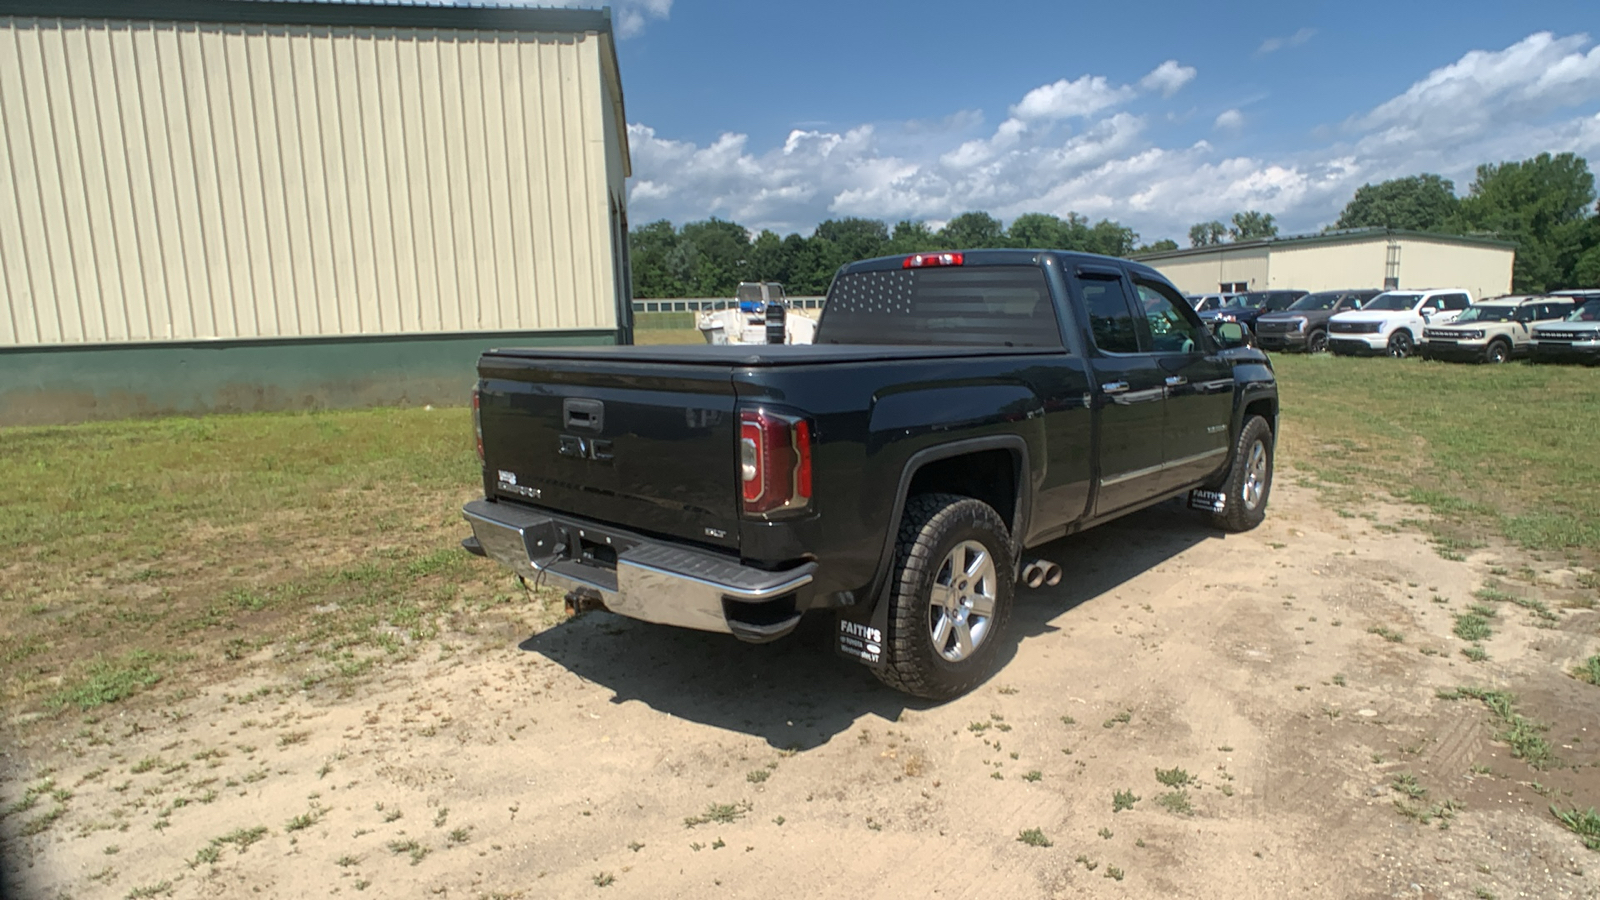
{"points": [[1455, 301], [981, 306]]}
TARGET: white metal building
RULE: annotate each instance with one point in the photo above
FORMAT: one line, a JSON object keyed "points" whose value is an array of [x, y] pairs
{"points": [[333, 189], [1351, 259]]}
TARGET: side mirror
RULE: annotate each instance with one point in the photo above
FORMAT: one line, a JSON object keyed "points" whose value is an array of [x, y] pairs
{"points": [[1230, 334]]}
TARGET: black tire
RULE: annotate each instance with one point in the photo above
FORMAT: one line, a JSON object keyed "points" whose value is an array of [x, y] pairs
{"points": [[1317, 342], [932, 529], [1401, 344], [1246, 503], [1497, 352]]}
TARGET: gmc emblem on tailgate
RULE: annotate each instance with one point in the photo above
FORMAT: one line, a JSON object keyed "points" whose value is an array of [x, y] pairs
{"points": [[585, 448]]}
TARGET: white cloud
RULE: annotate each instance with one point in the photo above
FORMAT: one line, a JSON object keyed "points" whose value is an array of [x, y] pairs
{"points": [[1274, 44], [1067, 99], [1167, 78], [628, 16], [1065, 148]]}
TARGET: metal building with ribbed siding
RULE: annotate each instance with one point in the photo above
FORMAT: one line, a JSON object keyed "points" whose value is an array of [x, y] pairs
{"points": [[242, 204]]}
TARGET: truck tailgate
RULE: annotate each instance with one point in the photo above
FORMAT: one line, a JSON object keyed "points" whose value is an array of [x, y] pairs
{"points": [[650, 445]]}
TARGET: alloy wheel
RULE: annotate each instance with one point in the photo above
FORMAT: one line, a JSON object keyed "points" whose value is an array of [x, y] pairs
{"points": [[961, 604]]}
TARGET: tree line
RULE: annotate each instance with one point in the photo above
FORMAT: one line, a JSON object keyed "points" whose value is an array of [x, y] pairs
{"points": [[1546, 205]]}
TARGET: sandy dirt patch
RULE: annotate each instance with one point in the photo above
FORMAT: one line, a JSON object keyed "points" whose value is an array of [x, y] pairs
{"points": [[1243, 688]]}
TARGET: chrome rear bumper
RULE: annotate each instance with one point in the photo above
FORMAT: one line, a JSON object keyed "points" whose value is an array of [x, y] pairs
{"points": [[638, 577]]}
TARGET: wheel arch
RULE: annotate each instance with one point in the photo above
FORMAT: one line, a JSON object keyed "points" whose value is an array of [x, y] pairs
{"points": [[961, 467]]}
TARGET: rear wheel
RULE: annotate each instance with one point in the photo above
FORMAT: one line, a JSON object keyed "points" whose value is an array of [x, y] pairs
{"points": [[1249, 481], [1317, 342], [951, 597], [1497, 352], [1400, 345]]}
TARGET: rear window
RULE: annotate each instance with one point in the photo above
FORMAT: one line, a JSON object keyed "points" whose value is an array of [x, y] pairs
{"points": [[982, 306]]}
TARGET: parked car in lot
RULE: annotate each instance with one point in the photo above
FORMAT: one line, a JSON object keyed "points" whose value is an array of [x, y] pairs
{"points": [[1203, 303], [956, 409], [1247, 307], [1393, 321], [1493, 330], [1575, 338], [1304, 325]]}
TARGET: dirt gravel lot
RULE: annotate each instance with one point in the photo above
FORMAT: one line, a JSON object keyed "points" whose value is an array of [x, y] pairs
{"points": [[1188, 714]]}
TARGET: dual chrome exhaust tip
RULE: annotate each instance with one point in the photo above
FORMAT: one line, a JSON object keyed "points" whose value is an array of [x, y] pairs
{"points": [[1041, 573]]}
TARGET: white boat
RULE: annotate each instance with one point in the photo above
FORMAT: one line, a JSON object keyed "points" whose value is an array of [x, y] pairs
{"points": [[755, 316]]}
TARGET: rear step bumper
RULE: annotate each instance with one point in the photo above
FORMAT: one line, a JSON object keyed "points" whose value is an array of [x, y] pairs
{"points": [[650, 580]]}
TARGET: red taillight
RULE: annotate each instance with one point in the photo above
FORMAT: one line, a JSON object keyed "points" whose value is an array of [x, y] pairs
{"points": [[774, 462], [922, 260], [477, 422]]}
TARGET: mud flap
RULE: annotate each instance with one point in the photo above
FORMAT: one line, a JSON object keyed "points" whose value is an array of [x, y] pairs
{"points": [[1208, 501], [860, 636]]}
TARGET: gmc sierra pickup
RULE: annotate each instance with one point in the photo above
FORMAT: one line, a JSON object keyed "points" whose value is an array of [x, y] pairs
{"points": [[955, 410]]}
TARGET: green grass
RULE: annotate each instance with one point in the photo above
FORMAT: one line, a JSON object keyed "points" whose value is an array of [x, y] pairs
{"points": [[1122, 800], [1472, 627], [107, 681], [1589, 671], [143, 553], [1584, 824], [720, 813], [1525, 736], [1457, 439]]}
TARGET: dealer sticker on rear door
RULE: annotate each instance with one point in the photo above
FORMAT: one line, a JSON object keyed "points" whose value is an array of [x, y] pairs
{"points": [[861, 641]]}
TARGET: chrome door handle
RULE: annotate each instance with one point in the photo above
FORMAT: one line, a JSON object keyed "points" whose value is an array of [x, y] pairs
{"points": [[1114, 387], [1175, 380]]}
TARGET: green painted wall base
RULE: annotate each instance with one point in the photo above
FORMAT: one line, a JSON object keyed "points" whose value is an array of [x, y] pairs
{"points": [[59, 385]]}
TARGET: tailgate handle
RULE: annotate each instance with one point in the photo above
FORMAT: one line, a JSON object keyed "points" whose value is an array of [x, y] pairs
{"points": [[583, 415]]}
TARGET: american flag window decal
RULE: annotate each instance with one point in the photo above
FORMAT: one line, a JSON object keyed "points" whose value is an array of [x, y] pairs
{"points": [[980, 306]]}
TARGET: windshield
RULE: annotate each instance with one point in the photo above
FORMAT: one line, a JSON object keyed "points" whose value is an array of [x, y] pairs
{"points": [[1589, 312], [1324, 300], [1393, 301], [1488, 314], [1252, 300]]}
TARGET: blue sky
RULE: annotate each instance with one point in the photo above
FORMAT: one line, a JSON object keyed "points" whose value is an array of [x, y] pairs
{"points": [[1157, 115]]}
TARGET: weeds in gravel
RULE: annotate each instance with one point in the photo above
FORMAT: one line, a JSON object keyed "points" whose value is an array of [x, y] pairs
{"points": [[1472, 627], [1174, 778], [721, 813], [1393, 637], [1176, 802], [1585, 824], [415, 849], [1033, 837], [1523, 734], [240, 838], [756, 776], [1589, 671], [1406, 783], [1122, 800], [1476, 653]]}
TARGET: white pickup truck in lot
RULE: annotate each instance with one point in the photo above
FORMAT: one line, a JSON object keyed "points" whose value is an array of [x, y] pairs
{"points": [[1392, 322]]}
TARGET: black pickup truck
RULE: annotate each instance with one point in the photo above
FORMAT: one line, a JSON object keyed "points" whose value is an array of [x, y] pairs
{"points": [[956, 409]]}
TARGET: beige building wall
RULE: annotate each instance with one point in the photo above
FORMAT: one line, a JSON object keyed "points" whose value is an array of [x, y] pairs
{"points": [[179, 181], [1330, 266], [1485, 271], [1202, 273]]}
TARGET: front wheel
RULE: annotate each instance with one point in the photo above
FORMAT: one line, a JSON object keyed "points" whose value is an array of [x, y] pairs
{"points": [[950, 603], [1400, 345], [1317, 342], [1497, 352], [1249, 481]]}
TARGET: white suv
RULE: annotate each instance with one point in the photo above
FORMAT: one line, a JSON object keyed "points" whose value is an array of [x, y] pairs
{"points": [[1392, 322]]}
